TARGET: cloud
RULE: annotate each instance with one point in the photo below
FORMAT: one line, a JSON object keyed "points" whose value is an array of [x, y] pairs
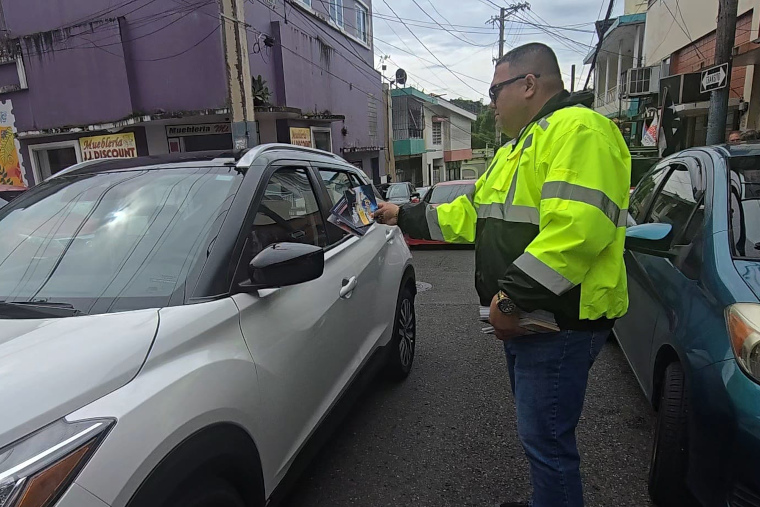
{"points": [[473, 60]]}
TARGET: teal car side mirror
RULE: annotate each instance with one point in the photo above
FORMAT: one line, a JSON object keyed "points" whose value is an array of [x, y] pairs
{"points": [[652, 239]]}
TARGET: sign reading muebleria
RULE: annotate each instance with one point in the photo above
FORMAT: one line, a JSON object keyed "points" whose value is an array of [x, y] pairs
{"points": [[201, 129], [108, 146]]}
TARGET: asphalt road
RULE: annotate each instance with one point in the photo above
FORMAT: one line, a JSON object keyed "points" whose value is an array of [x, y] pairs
{"points": [[447, 435]]}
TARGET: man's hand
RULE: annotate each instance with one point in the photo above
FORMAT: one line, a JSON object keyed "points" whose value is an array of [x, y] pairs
{"points": [[505, 326], [386, 213]]}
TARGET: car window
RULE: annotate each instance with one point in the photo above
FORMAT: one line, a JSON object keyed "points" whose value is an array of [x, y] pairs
{"points": [[676, 204], [336, 182], [642, 196], [397, 190], [744, 201], [288, 213]]}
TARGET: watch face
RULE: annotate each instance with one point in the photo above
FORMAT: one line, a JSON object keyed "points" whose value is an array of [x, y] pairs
{"points": [[506, 305]]}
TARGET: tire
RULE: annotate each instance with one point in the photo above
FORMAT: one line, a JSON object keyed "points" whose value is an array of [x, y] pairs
{"points": [[403, 343], [212, 492], [670, 452]]}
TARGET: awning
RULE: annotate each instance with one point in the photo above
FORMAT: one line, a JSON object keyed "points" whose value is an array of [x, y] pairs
{"points": [[700, 108]]}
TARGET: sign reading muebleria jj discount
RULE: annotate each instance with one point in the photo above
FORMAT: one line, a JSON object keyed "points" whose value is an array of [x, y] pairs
{"points": [[108, 146]]}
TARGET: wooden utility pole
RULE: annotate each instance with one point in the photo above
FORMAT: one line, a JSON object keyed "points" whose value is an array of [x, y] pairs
{"points": [[724, 44], [501, 20], [502, 16], [239, 85], [572, 78]]}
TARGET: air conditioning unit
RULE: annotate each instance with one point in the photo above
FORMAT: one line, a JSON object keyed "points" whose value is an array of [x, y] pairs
{"points": [[642, 81]]}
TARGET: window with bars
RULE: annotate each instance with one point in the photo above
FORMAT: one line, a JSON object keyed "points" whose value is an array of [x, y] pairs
{"points": [[362, 23], [336, 12], [437, 133]]}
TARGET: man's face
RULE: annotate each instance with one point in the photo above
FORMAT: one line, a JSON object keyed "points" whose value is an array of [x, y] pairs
{"points": [[734, 138], [510, 101]]}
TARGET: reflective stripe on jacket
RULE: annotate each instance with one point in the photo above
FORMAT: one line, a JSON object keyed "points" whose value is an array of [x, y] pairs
{"points": [[547, 218]]}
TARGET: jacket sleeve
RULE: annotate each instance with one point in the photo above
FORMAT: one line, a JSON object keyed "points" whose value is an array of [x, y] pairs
{"points": [[454, 222], [584, 200]]}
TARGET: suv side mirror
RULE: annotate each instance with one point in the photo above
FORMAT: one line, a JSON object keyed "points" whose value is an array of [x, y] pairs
{"points": [[652, 239], [285, 264]]}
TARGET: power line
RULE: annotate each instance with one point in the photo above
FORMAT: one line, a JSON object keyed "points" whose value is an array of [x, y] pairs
{"points": [[431, 53], [685, 31], [599, 44], [447, 30]]}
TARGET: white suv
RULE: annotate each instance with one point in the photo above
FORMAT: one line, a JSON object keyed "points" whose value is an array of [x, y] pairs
{"points": [[183, 331]]}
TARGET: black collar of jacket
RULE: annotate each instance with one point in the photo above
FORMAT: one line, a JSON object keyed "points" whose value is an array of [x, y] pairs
{"points": [[559, 101]]}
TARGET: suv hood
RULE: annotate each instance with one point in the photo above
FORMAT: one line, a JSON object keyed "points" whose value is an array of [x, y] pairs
{"points": [[51, 367]]}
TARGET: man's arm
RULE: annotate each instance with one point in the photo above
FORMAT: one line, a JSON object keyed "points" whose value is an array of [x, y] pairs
{"points": [[584, 200], [454, 222]]}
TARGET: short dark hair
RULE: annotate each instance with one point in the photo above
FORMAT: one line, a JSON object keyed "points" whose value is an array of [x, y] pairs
{"points": [[533, 54]]}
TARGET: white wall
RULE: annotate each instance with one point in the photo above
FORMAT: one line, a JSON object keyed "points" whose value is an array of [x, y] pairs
{"points": [[461, 133], [663, 36], [157, 143]]}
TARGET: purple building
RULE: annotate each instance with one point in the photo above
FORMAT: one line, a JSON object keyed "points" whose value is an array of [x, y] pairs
{"points": [[85, 79]]}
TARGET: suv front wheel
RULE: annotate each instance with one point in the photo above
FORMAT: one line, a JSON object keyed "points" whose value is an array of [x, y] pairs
{"points": [[404, 340]]}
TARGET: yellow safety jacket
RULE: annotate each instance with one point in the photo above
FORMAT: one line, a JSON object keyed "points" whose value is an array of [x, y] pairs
{"points": [[547, 218]]}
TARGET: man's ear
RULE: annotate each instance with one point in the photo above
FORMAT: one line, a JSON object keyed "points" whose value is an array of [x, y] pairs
{"points": [[530, 86]]}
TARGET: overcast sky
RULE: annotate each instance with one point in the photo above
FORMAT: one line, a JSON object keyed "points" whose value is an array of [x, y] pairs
{"points": [[470, 47]]}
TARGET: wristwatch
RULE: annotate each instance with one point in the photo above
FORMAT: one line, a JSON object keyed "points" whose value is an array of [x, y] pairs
{"points": [[505, 305]]}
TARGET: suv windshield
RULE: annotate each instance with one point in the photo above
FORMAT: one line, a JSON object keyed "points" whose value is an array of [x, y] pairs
{"points": [[446, 193], [398, 190], [744, 199], [115, 241]]}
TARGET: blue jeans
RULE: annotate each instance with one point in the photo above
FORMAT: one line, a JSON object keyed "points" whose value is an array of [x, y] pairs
{"points": [[549, 373]]}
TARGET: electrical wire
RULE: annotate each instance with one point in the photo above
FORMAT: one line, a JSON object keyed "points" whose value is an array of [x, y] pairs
{"points": [[447, 30], [431, 53]]}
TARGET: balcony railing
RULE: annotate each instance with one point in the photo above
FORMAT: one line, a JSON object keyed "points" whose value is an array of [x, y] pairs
{"points": [[612, 95]]}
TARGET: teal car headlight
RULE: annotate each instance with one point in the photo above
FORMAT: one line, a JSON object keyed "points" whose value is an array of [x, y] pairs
{"points": [[744, 330]]}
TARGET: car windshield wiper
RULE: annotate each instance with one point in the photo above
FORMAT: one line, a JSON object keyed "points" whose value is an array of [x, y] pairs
{"points": [[47, 308]]}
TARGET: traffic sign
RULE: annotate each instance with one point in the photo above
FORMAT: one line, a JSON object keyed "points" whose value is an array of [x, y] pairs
{"points": [[714, 78]]}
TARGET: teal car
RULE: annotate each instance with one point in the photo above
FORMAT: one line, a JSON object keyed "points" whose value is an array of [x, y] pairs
{"points": [[692, 333]]}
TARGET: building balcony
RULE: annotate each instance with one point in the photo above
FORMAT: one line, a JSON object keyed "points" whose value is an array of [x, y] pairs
{"points": [[412, 146]]}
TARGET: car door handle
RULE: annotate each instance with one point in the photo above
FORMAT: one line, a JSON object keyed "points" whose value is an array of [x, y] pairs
{"points": [[389, 234], [349, 284]]}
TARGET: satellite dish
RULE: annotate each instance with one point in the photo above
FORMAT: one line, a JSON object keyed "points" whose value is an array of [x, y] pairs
{"points": [[401, 76]]}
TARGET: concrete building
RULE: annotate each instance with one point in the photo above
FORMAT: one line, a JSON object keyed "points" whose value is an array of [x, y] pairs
{"points": [[82, 79], [431, 137], [622, 42], [679, 42]]}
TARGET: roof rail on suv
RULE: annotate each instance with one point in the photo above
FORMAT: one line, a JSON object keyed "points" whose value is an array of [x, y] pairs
{"points": [[254, 153]]}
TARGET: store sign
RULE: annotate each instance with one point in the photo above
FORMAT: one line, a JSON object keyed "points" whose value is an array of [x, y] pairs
{"points": [[300, 136], [201, 129], [108, 146]]}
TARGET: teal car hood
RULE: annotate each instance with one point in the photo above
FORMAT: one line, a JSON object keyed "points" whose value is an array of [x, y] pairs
{"points": [[750, 273]]}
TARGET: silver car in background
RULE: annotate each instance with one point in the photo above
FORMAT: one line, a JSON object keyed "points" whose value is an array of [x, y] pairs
{"points": [[184, 331]]}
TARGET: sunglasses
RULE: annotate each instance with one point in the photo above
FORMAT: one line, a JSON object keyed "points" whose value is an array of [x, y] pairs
{"points": [[493, 92]]}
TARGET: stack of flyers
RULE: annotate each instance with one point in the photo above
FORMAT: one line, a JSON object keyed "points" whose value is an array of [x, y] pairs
{"points": [[353, 212], [535, 322]]}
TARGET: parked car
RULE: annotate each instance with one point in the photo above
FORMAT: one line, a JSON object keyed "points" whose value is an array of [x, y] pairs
{"points": [[423, 192], [692, 333], [441, 193], [174, 331], [402, 193], [10, 192]]}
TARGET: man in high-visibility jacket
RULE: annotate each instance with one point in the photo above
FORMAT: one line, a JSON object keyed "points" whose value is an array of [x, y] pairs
{"points": [[548, 222]]}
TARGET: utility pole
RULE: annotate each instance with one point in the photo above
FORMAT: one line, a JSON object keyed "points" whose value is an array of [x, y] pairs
{"points": [[502, 15], [501, 20], [724, 44], [239, 85], [572, 78]]}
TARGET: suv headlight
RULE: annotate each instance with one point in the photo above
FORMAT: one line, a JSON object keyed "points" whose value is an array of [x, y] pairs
{"points": [[36, 470], [744, 330]]}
